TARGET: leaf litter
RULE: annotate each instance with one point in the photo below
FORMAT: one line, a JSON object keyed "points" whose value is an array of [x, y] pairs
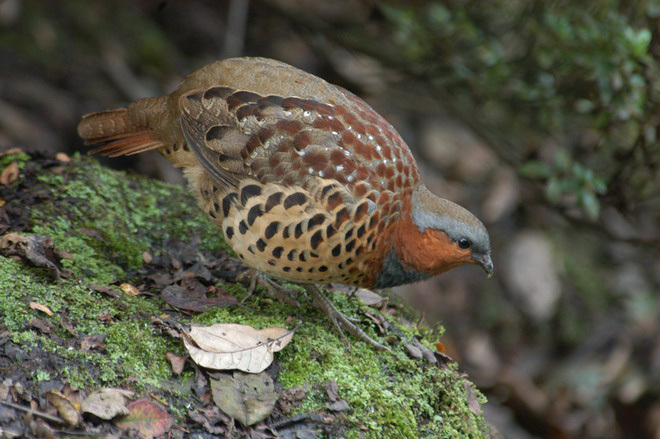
{"points": [[226, 346]]}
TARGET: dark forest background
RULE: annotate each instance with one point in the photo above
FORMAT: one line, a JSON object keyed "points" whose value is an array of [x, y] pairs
{"points": [[542, 117]]}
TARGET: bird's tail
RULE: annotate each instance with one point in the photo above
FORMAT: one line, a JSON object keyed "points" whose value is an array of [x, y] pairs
{"points": [[122, 131]]}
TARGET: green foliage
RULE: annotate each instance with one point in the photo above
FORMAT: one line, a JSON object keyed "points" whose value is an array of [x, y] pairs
{"points": [[114, 23], [577, 80], [568, 178]]}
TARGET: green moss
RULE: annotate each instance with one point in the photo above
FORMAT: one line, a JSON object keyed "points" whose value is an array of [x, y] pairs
{"points": [[42, 375], [133, 348], [113, 217], [391, 394], [107, 219]]}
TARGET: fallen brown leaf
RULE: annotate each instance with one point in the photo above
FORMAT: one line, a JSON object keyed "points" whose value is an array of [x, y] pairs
{"points": [[90, 342], [65, 407], [177, 363], [9, 174], [65, 322], [41, 325], [332, 390], [10, 151], [108, 291], [62, 157], [149, 418], [413, 351], [339, 406], [225, 346], [42, 308], [290, 398], [370, 298], [196, 300], [38, 250], [107, 403], [129, 289], [209, 417], [473, 400], [248, 398]]}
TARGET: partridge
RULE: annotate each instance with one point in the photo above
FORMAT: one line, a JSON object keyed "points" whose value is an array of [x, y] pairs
{"points": [[306, 181]]}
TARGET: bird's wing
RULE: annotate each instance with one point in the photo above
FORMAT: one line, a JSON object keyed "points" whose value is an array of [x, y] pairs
{"points": [[287, 140]]}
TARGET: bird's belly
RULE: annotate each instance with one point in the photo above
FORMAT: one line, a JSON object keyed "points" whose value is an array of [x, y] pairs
{"points": [[289, 233]]}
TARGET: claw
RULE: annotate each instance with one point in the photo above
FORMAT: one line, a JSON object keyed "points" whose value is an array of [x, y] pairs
{"points": [[340, 320], [272, 288]]}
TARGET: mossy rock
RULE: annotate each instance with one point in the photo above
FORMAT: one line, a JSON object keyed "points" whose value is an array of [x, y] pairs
{"points": [[106, 220]]}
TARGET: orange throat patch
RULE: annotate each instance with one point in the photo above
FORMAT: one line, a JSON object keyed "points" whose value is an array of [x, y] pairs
{"points": [[431, 252]]}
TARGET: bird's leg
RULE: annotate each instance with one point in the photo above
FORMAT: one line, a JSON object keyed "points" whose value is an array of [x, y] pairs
{"points": [[273, 289], [340, 320], [353, 291]]}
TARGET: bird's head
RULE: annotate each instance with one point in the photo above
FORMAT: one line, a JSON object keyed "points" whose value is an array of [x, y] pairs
{"points": [[443, 235]]}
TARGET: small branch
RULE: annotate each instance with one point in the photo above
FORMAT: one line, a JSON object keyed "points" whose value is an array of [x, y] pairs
{"points": [[33, 412]]}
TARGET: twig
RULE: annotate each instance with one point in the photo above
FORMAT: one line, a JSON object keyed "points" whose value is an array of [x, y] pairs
{"points": [[296, 419], [34, 412]]}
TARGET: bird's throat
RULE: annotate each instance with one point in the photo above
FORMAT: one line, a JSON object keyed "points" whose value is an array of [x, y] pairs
{"points": [[394, 273]]}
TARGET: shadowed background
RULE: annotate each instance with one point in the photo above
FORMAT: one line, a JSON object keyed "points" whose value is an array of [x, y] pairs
{"points": [[540, 117]]}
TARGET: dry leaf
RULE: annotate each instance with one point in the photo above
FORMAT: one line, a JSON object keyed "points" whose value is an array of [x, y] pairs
{"points": [[473, 400], [191, 300], [129, 289], [369, 298], [290, 399], [10, 151], [73, 395], [89, 342], [65, 322], [65, 407], [225, 346], [426, 352], [41, 325], [149, 418], [42, 308], [62, 157], [413, 351], [332, 389], [107, 291], [107, 403], [248, 398], [212, 419], [9, 174], [38, 250], [176, 362], [338, 406]]}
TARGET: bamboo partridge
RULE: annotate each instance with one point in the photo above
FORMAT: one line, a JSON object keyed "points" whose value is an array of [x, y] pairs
{"points": [[306, 181]]}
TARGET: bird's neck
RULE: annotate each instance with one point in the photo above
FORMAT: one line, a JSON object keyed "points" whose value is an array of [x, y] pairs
{"points": [[403, 261], [394, 273]]}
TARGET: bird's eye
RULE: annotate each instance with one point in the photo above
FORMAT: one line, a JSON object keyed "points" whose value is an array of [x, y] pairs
{"points": [[464, 243]]}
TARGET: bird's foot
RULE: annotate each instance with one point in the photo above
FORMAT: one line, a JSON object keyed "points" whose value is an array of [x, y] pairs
{"points": [[340, 320], [273, 289]]}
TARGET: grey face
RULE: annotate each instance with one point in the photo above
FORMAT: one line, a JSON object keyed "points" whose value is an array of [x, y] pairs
{"points": [[458, 223]]}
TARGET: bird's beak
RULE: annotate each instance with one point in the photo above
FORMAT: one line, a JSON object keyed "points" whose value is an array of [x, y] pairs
{"points": [[485, 262]]}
